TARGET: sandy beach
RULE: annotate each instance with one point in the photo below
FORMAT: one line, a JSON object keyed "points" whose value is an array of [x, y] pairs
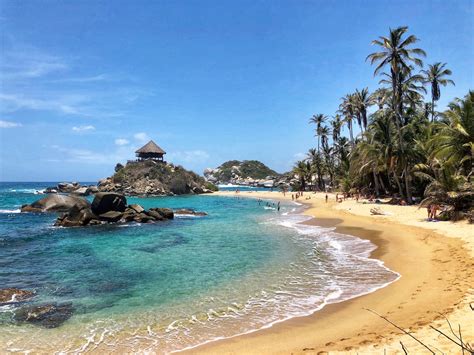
{"points": [[435, 260]]}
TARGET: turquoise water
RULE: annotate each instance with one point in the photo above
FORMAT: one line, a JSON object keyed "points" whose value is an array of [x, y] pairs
{"points": [[174, 285]]}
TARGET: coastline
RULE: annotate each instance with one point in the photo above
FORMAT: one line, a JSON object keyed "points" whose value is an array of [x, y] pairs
{"points": [[434, 279]]}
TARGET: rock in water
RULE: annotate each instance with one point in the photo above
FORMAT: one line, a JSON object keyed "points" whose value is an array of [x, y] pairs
{"points": [[77, 216], [48, 316], [108, 201], [12, 295], [186, 211], [167, 213], [111, 216], [136, 208], [55, 203]]}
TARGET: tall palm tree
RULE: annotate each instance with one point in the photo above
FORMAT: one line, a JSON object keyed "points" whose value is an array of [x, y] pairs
{"points": [[380, 97], [324, 133], [318, 120], [362, 102], [336, 125], [348, 110], [397, 54], [436, 76]]}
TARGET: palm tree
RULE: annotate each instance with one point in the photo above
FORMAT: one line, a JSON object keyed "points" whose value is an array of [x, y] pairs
{"points": [[362, 101], [324, 133], [336, 125], [318, 119], [380, 97], [436, 76], [348, 110], [303, 170], [315, 159], [397, 55], [455, 141]]}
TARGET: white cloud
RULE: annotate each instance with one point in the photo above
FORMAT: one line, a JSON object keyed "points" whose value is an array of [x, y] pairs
{"points": [[141, 137], [121, 141], [60, 104], [83, 128], [9, 124], [29, 62], [87, 79]]}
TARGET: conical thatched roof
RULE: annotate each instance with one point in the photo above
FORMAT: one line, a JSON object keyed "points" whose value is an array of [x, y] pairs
{"points": [[151, 147]]}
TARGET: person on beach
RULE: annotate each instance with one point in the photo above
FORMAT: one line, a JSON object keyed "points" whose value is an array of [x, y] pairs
{"points": [[337, 197], [434, 211], [326, 198], [292, 197], [428, 210]]}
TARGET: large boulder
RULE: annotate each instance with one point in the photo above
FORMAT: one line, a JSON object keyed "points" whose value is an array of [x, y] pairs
{"points": [[108, 201], [12, 295], [55, 203], [77, 216], [48, 316]]}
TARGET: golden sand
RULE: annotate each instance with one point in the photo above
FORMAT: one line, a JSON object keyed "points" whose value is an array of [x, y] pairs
{"points": [[435, 259]]}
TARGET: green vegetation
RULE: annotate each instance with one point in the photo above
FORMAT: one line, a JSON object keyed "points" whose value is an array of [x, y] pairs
{"points": [[247, 168], [405, 147]]}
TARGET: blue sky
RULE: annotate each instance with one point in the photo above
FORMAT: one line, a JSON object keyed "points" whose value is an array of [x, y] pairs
{"points": [[83, 84]]}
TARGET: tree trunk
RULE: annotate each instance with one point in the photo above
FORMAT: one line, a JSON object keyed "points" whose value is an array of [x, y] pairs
{"points": [[432, 108], [376, 182]]}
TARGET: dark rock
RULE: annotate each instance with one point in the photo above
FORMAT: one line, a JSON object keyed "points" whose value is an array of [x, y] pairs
{"points": [[67, 187], [50, 190], [77, 216], [108, 201], [111, 216], [167, 213], [156, 215], [143, 218], [55, 203], [12, 295], [198, 190], [136, 208], [48, 316]]}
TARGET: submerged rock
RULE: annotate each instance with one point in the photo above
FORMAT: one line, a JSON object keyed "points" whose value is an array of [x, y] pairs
{"points": [[55, 203], [108, 201], [187, 211], [13, 295], [48, 316]]}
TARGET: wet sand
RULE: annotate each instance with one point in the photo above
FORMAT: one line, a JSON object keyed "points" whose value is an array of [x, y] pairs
{"points": [[436, 268]]}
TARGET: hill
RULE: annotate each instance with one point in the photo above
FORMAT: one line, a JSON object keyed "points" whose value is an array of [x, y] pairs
{"points": [[247, 172], [154, 178]]}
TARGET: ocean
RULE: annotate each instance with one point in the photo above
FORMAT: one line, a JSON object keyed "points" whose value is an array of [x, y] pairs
{"points": [[173, 285]]}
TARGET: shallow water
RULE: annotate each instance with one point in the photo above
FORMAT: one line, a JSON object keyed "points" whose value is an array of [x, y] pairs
{"points": [[174, 285]]}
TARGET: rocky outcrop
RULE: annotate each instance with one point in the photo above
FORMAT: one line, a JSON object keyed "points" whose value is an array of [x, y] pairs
{"points": [[71, 188], [14, 295], [111, 208], [55, 203], [152, 178], [246, 173], [47, 316]]}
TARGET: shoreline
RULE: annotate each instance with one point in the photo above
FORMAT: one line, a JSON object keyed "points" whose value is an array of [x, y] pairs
{"points": [[413, 301]]}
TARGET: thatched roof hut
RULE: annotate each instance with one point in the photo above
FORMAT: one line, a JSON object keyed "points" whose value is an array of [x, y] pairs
{"points": [[150, 151]]}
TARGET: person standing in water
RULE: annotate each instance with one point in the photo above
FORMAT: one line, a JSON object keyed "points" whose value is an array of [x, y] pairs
{"points": [[278, 208]]}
